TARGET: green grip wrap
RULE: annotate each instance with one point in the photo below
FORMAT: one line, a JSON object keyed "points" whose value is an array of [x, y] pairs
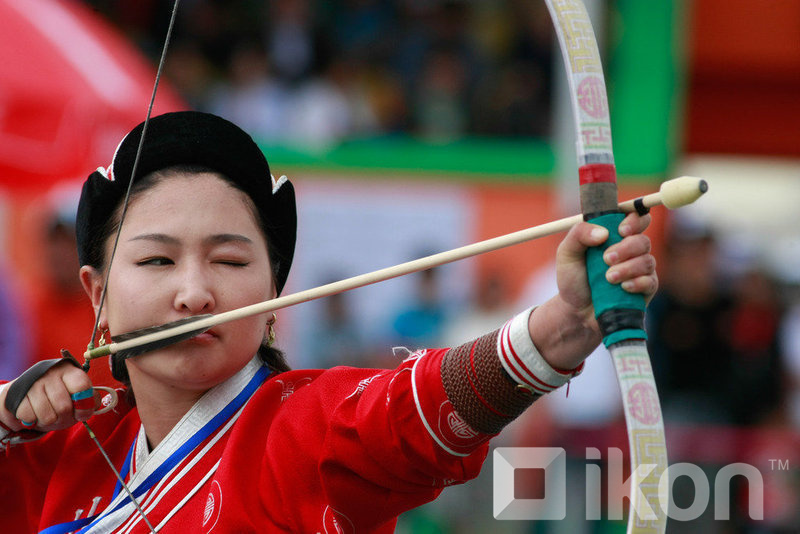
{"points": [[610, 299]]}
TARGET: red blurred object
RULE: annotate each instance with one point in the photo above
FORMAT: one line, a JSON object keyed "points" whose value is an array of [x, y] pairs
{"points": [[744, 77], [70, 88]]}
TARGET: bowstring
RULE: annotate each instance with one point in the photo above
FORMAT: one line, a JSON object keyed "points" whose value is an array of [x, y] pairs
{"points": [[125, 201], [119, 477], [136, 159]]}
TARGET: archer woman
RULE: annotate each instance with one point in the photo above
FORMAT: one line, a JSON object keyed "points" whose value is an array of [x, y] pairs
{"points": [[215, 433]]}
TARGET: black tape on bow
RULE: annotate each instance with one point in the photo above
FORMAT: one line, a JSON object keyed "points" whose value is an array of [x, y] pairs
{"points": [[640, 208]]}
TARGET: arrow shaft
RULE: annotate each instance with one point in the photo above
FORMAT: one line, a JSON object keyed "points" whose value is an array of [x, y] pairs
{"points": [[690, 189]]}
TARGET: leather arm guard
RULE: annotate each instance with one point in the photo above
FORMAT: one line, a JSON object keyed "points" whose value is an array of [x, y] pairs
{"points": [[20, 387], [495, 378], [16, 393]]}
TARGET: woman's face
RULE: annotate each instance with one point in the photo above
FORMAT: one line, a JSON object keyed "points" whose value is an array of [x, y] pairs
{"points": [[189, 245]]}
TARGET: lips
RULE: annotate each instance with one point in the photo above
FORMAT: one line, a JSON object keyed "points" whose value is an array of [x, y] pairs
{"points": [[207, 337]]}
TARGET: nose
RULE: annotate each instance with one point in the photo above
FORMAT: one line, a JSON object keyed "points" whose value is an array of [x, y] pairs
{"points": [[194, 293]]}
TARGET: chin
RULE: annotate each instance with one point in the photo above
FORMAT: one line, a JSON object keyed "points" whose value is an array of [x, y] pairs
{"points": [[195, 364], [180, 367]]}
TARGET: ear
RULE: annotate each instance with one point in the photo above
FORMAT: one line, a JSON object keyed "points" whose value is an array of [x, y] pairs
{"points": [[92, 282]]}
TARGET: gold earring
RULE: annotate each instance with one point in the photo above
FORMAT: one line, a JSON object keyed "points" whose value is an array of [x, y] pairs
{"points": [[271, 332], [103, 333]]}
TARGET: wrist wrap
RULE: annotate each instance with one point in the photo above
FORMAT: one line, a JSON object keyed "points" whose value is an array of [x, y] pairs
{"points": [[481, 391], [493, 379]]}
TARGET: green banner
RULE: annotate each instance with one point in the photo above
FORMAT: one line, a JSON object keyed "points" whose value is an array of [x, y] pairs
{"points": [[645, 84]]}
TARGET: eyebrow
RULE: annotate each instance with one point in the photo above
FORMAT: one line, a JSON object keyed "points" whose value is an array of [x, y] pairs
{"points": [[216, 239]]}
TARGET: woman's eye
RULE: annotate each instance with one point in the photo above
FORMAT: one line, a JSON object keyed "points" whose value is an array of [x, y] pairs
{"points": [[158, 261], [233, 263]]}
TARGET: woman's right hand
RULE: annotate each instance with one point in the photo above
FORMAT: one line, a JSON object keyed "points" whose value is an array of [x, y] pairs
{"points": [[49, 404]]}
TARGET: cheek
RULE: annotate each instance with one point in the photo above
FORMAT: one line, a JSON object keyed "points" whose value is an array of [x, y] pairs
{"points": [[245, 336], [131, 303], [237, 291]]}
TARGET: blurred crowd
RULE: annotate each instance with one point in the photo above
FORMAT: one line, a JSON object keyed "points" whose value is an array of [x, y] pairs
{"points": [[724, 336], [317, 72]]}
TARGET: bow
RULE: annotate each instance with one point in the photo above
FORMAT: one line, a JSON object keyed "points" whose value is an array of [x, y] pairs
{"points": [[620, 314]]}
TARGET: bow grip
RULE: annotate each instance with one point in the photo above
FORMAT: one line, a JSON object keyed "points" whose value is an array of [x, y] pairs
{"points": [[620, 314]]}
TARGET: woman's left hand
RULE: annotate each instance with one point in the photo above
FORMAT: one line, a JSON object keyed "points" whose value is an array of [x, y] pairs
{"points": [[564, 328], [629, 261]]}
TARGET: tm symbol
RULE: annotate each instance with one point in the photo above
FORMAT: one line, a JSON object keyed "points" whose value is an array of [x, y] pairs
{"points": [[780, 465]]}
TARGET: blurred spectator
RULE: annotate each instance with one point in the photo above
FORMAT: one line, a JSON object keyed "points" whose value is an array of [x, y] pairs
{"points": [[217, 27], [250, 97], [14, 332], [363, 29], [440, 100], [387, 100], [490, 310], [709, 346], [328, 108], [513, 102], [292, 42], [689, 330], [421, 320], [62, 316], [190, 72], [440, 62], [790, 345], [514, 97], [756, 359], [335, 338]]}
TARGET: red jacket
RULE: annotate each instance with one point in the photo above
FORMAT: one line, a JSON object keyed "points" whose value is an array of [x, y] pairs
{"points": [[339, 450]]}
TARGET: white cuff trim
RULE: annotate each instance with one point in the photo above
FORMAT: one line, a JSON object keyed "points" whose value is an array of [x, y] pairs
{"points": [[523, 361]]}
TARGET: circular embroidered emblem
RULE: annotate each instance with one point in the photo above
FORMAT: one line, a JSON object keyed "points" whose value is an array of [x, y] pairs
{"points": [[592, 98], [336, 522], [643, 400], [459, 427], [454, 431], [213, 507]]}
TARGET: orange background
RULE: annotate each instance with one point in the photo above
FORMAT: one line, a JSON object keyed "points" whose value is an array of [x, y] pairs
{"points": [[744, 77]]}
